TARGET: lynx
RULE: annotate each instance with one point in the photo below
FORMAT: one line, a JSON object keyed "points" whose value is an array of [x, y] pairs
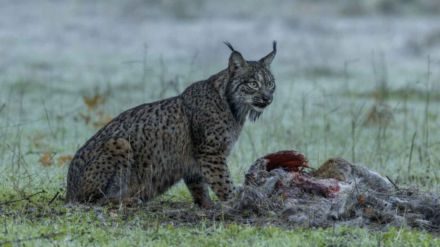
{"points": [[147, 149]]}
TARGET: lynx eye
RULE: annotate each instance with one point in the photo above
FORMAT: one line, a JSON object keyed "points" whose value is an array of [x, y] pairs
{"points": [[253, 85], [271, 85]]}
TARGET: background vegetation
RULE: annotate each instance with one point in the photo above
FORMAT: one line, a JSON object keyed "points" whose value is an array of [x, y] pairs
{"points": [[356, 79]]}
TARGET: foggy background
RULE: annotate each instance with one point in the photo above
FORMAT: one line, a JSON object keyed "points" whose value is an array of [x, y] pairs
{"points": [[340, 66]]}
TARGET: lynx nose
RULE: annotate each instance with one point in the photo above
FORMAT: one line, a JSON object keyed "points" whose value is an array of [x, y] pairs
{"points": [[267, 98], [262, 100]]}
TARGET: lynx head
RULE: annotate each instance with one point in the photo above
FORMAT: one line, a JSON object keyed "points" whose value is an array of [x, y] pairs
{"points": [[251, 84]]}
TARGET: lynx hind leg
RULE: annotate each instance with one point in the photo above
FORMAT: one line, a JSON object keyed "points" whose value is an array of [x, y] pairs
{"points": [[107, 179], [199, 190]]}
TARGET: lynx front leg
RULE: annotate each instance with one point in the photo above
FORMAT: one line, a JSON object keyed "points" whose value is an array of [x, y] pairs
{"points": [[199, 190], [217, 175]]}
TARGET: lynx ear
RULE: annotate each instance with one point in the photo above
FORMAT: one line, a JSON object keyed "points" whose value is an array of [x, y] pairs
{"points": [[236, 60], [267, 60]]}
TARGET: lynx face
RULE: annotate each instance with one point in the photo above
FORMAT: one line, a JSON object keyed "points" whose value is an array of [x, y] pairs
{"points": [[256, 88], [251, 85]]}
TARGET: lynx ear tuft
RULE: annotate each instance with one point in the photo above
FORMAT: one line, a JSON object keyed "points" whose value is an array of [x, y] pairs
{"points": [[267, 60], [236, 61], [229, 45]]}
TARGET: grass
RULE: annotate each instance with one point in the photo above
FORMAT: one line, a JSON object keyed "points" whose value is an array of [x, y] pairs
{"points": [[318, 124], [319, 129], [401, 94], [320, 108], [33, 221]]}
